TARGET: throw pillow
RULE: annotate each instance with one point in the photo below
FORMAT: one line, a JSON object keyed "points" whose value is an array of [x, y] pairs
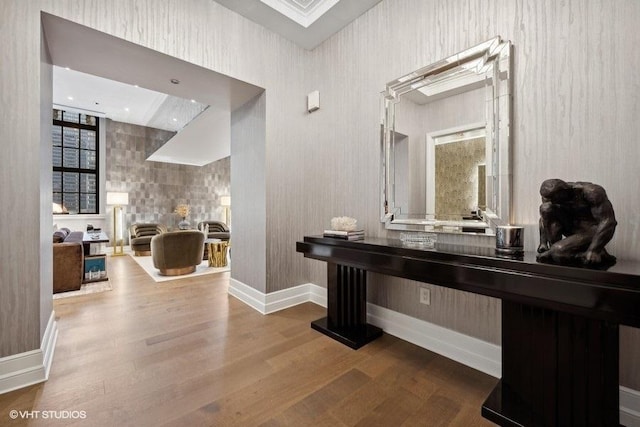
{"points": [[59, 236]]}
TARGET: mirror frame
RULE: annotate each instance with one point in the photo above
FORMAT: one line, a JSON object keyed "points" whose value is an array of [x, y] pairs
{"points": [[492, 57]]}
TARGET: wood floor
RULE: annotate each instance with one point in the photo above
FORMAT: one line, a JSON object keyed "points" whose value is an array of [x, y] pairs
{"points": [[185, 353]]}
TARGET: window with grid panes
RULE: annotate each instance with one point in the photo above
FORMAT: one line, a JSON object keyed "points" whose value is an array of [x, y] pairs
{"points": [[75, 161]]}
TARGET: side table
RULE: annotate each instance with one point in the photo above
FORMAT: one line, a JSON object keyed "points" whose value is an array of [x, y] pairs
{"points": [[217, 252], [95, 260]]}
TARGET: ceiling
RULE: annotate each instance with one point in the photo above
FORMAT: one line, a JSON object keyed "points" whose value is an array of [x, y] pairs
{"points": [[305, 22], [125, 82], [191, 154], [122, 102], [89, 51]]}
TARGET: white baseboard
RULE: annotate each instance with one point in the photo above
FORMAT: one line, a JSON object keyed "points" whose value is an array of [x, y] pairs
{"points": [[271, 302], [248, 295], [478, 354], [318, 295], [48, 345], [629, 407], [469, 351], [31, 367]]}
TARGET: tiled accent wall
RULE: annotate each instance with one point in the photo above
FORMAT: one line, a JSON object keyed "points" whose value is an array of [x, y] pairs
{"points": [[457, 178], [155, 188]]}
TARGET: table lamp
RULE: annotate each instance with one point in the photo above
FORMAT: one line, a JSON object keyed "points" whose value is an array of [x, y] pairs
{"points": [[225, 201], [117, 200]]}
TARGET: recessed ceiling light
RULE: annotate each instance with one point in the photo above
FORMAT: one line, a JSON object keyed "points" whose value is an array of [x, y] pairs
{"points": [[70, 98], [175, 120], [136, 86], [193, 100], [67, 68], [175, 81], [126, 108]]}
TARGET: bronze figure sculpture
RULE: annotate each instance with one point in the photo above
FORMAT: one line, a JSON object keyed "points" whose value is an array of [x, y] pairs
{"points": [[583, 214]]}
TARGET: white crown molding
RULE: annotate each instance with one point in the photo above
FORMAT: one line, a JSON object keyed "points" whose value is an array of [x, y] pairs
{"points": [[306, 23], [299, 14], [31, 367]]}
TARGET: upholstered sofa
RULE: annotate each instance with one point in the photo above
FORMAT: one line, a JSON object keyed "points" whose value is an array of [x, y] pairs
{"points": [[177, 252], [68, 260], [140, 236], [217, 230]]}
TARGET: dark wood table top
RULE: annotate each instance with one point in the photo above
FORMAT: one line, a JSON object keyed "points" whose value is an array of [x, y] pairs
{"points": [[612, 294]]}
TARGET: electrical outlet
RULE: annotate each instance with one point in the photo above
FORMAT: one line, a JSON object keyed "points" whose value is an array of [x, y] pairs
{"points": [[425, 296]]}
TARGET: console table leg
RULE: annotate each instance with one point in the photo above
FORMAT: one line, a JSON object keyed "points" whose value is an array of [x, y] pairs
{"points": [[346, 319], [557, 369]]}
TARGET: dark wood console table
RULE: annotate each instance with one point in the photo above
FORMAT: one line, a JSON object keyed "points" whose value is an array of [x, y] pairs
{"points": [[559, 324]]}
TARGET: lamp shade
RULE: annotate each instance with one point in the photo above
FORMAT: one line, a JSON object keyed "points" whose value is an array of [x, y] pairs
{"points": [[58, 208], [117, 198], [225, 201]]}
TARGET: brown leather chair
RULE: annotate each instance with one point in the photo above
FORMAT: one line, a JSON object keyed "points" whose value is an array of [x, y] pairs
{"points": [[68, 266], [217, 230], [140, 236], [177, 252]]}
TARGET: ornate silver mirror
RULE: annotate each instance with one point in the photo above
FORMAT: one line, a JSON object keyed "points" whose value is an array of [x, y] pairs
{"points": [[446, 143]]}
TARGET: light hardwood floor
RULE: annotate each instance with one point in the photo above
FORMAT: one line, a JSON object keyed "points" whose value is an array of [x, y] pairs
{"points": [[185, 353]]}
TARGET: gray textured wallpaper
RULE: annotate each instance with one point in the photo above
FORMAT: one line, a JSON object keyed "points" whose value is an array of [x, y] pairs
{"points": [[575, 117], [248, 173], [155, 188]]}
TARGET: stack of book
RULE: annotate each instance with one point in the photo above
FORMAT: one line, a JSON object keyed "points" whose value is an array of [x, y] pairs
{"points": [[346, 235]]}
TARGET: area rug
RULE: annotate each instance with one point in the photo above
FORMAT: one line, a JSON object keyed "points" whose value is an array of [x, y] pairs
{"points": [[86, 289], [147, 264]]}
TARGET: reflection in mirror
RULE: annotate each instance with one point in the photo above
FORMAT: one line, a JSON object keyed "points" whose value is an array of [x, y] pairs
{"points": [[445, 143], [454, 162]]}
